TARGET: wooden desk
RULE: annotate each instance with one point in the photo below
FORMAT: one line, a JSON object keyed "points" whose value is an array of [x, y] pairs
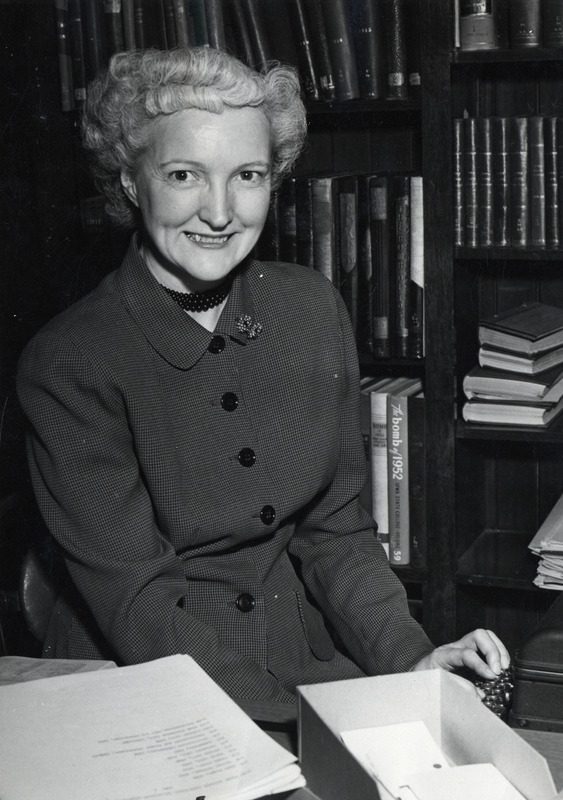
{"points": [[550, 745]]}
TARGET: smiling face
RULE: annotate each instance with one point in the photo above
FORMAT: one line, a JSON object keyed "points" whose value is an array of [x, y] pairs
{"points": [[203, 190]]}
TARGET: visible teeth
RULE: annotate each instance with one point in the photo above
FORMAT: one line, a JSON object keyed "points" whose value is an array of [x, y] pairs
{"points": [[197, 237]]}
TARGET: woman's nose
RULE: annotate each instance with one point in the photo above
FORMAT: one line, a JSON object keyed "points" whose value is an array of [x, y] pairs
{"points": [[216, 206]]}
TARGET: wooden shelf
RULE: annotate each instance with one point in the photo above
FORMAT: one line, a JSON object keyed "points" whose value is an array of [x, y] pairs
{"points": [[518, 433], [507, 56], [508, 254], [499, 559]]}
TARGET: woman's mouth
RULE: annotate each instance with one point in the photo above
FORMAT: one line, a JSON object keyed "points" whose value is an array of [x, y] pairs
{"points": [[211, 241]]}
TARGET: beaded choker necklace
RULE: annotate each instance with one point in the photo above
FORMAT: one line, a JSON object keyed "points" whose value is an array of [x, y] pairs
{"points": [[201, 301]]}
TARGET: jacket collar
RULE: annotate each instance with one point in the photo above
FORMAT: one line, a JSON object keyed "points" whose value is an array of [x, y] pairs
{"points": [[176, 336]]}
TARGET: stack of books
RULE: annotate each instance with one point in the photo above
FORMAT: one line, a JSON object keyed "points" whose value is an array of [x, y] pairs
{"points": [[393, 426], [519, 379], [548, 545]]}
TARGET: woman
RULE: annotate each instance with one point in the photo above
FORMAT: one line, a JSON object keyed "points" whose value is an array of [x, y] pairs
{"points": [[194, 445]]}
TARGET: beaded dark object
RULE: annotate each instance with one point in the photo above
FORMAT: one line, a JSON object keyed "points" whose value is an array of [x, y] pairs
{"points": [[498, 692], [200, 301]]}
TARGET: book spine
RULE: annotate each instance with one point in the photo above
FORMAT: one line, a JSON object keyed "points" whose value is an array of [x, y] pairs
{"points": [[341, 49], [552, 23], [483, 162], [324, 239], [365, 268], [401, 213], [470, 181], [64, 54], [198, 21], [416, 275], [268, 245], [287, 210], [477, 25], [416, 422], [552, 230], [140, 10], [379, 474], [348, 246], [414, 73], [301, 33], [367, 25], [169, 24], [240, 33], [537, 181], [112, 14], [128, 14], [180, 17], [95, 38], [304, 222], [257, 32], [78, 52], [216, 24], [459, 184], [397, 70], [380, 245], [398, 477], [519, 201], [501, 186], [321, 50], [524, 23]]}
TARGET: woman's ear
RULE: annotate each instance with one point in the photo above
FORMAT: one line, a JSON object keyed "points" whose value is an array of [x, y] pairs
{"points": [[129, 187]]}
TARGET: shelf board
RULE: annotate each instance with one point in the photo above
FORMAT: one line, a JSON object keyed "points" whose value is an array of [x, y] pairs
{"points": [[499, 559], [507, 56], [324, 110], [507, 254], [391, 364], [409, 574], [518, 433]]}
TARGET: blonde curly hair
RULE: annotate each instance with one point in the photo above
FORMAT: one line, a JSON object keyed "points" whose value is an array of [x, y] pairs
{"points": [[140, 85]]}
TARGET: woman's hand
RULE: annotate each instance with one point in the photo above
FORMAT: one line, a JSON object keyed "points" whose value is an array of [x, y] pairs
{"points": [[480, 651]]}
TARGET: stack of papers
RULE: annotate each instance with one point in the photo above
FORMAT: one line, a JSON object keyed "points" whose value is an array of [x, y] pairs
{"points": [[548, 545], [157, 730]]}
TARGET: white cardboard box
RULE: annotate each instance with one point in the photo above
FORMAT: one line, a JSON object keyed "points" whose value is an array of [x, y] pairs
{"points": [[465, 730]]}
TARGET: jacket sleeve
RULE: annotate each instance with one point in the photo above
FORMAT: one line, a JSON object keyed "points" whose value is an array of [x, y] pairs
{"points": [[342, 563], [93, 498]]}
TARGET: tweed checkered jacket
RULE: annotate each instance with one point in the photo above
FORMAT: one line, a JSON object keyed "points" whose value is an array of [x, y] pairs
{"points": [[203, 487]]}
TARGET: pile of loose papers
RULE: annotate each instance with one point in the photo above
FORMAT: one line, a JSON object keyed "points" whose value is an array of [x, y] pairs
{"points": [[160, 729], [548, 545]]}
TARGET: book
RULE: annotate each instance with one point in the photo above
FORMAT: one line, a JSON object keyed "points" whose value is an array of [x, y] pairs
{"points": [[511, 412], [493, 384], [470, 190], [64, 54], [341, 49], [412, 26], [128, 18], [526, 365], [537, 181], [398, 470], [347, 220], [257, 31], [380, 221], [170, 24], [547, 544], [365, 268], [78, 52], [552, 23], [459, 183], [524, 23], [239, 33], [500, 181], [401, 255], [519, 168], [416, 417], [304, 221], [368, 385], [552, 227], [321, 51], [367, 23], [324, 196], [140, 8], [527, 329], [379, 457], [396, 36], [279, 31], [148, 729], [95, 38], [114, 30], [484, 169], [415, 298], [181, 19], [214, 14], [197, 23], [287, 215], [477, 25], [302, 37]]}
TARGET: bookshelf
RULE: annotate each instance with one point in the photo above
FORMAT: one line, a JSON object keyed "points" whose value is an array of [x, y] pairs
{"points": [[487, 488]]}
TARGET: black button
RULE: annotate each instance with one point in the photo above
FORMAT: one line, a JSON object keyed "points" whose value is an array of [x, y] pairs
{"points": [[245, 602], [229, 401], [268, 515], [216, 345], [247, 457]]}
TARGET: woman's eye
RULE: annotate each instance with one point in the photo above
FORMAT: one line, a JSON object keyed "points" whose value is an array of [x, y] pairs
{"points": [[181, 175], [249, 175]]}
